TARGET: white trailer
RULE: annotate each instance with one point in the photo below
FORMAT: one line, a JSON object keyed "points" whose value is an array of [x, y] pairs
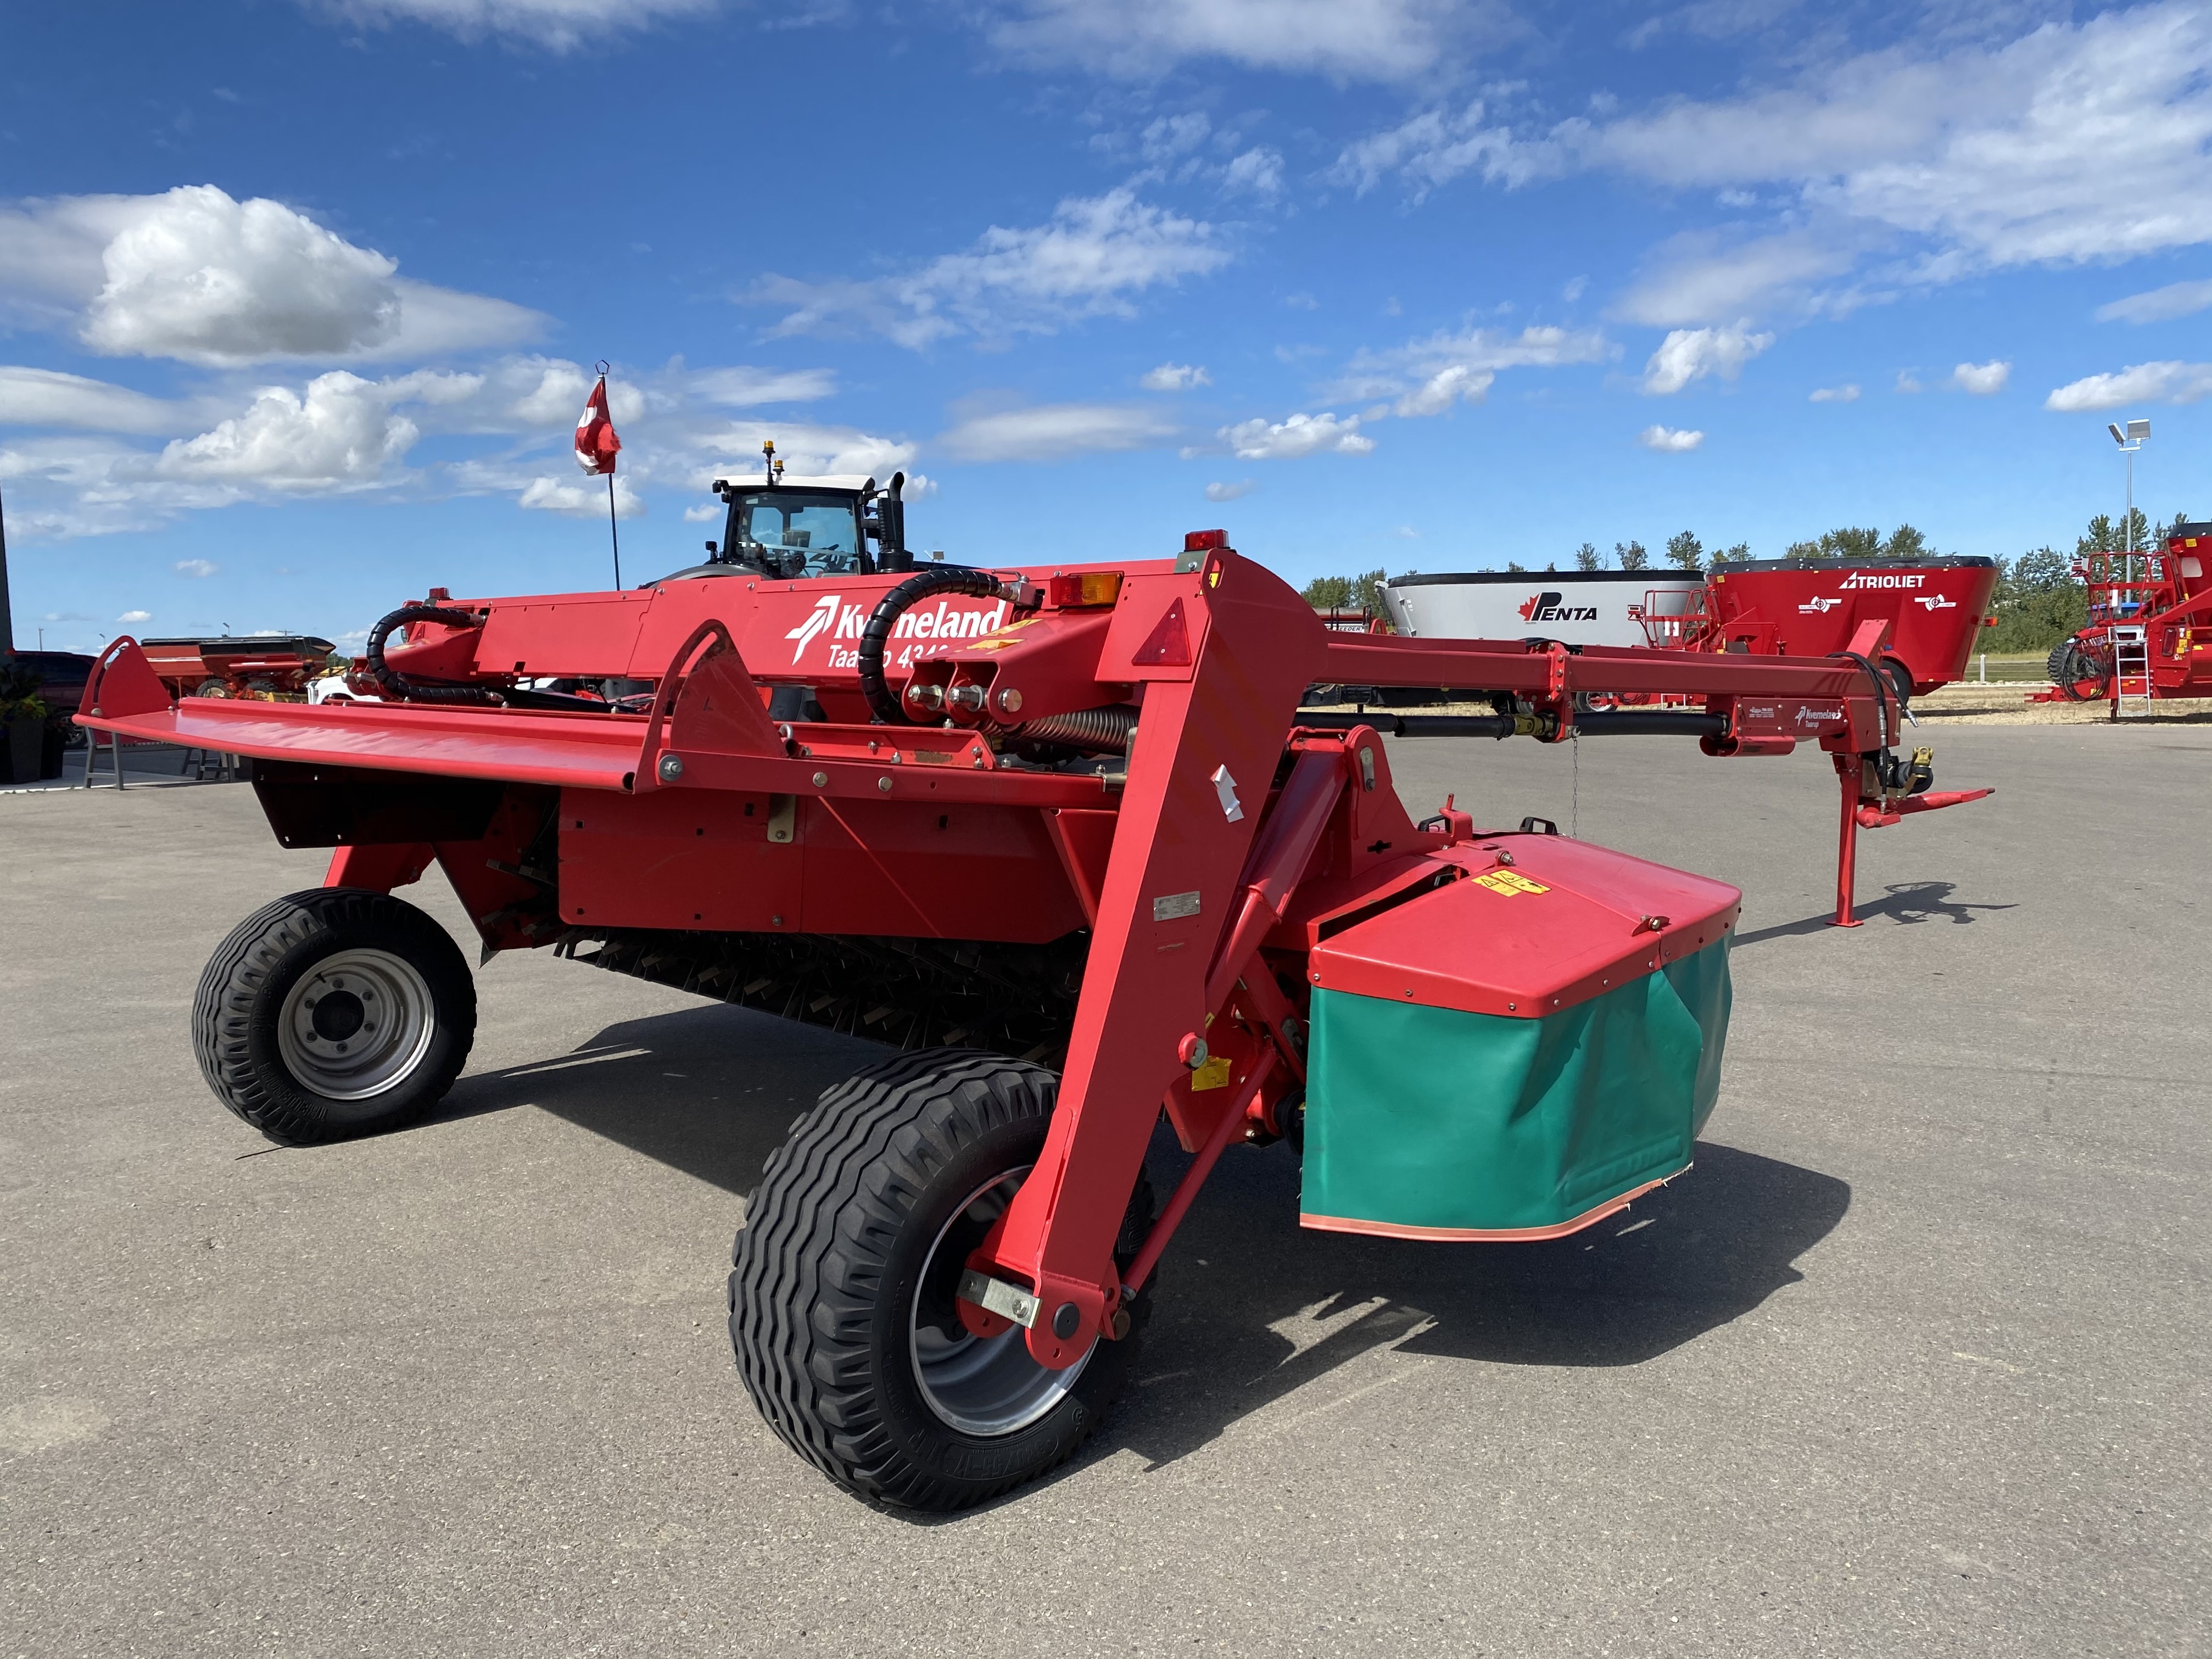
{"points": [[1578, 607]]}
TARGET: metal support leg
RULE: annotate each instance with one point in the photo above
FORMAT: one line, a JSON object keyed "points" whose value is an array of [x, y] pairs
{"points": [[92, 754], [1847, 841]]}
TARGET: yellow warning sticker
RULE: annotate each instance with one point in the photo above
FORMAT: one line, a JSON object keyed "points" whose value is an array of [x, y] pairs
{"points": [[1214, 1074], [1508, 883]]}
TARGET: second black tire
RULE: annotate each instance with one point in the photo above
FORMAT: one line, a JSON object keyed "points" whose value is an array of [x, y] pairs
{"points": [[334, 1013], [842, 1310]]}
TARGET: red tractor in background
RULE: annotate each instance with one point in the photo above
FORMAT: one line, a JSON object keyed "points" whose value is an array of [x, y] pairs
{"points": [[2150, 634], [1935, 608]]}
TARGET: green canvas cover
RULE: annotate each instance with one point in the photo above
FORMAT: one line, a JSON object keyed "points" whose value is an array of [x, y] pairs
{"points": [[1434, 1122]]}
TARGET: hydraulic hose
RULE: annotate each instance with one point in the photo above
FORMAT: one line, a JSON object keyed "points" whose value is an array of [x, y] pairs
{"points": [[1885, 692], [395, 686], [922, 585]]}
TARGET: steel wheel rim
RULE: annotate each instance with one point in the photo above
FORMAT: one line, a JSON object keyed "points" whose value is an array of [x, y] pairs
{"points": [[356, 1025], [985, 1385]]}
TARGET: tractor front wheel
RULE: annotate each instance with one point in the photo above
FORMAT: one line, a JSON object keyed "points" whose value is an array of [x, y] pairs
{"points": [[333, 1012], [842, 1309]]}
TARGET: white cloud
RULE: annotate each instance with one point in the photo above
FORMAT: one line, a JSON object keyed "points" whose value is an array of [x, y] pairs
{"points": [[1702, 276], [342, 432], [744, 387], [1050, 432], [1174, 377], [1669, 440], [705, 513], [2143, 383], [1428, 376], [556, 25], [1836, 394], [43, 397], [1171, 136], [1981, 380], [578, 500], [1228, 492], [194, 274], [1436, 146], [1443, 388], [1256, 173], [1690, 354], [197, 569], [136, 616], [1907, 381], [1298, 436], [2071, 144], [1086, 261], [732, 450], [1385, 40], [2160, 305]]}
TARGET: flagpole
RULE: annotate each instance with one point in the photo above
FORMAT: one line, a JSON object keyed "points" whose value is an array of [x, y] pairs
{"points": [[614, 536]]}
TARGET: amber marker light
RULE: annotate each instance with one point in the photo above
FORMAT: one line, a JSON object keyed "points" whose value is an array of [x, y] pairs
{"points": [[1073, 589]]}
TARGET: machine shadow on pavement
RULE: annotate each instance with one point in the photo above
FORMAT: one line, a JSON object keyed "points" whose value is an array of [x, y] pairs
{"points": [[1254, 1308], [1905, 903], [1251, 1308], [710, 1091]]}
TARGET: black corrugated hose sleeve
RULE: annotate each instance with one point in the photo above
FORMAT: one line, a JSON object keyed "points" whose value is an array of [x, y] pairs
{"points": [[922, 585], [395, 686]]}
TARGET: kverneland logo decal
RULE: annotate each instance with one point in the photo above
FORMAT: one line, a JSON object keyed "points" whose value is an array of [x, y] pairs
{"points": [[948, 621], [1546, 607]]}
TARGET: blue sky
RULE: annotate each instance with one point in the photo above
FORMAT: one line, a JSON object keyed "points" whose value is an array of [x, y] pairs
{"points": [[297, 299]]}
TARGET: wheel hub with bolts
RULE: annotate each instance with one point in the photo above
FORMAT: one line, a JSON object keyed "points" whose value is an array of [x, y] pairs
{"points": [[981, 1385], [356, 1024]]}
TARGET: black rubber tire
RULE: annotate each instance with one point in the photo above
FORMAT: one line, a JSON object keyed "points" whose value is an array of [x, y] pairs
{"points": [[2071, 669], [242, 992], [825, 1271]]}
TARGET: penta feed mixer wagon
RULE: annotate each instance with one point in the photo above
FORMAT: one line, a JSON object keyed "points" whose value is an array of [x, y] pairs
{"points": [[1064, 842]]}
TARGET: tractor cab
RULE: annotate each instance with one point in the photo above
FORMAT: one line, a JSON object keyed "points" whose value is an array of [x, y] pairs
{"points": [[791, 527]]}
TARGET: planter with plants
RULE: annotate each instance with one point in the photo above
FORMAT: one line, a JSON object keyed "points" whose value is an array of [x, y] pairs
{"points": [[22, 723]]}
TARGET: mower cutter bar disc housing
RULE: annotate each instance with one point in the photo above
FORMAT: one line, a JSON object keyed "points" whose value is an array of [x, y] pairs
{"points": [[1516, 1053]]}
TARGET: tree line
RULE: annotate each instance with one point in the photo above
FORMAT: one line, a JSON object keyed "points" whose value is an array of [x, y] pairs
{"points": [[2037, 602]]}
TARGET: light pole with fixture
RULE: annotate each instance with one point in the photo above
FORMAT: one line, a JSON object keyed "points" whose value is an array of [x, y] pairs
{"points": [[2129, 442]]}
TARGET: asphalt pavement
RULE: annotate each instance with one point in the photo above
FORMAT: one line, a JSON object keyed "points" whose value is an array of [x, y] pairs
{"points": [[1913, 1362]]}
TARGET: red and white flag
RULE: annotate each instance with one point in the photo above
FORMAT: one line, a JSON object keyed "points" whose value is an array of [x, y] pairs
{"points": [[596, 443]]}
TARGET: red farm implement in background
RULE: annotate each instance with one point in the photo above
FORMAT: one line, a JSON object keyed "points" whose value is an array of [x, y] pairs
{"points": [[2150, 634], [1935, 608], [270, 667], [1061, 839]]}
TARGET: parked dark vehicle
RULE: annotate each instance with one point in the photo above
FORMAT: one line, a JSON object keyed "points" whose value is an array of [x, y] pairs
{"points": [[61, 677]]}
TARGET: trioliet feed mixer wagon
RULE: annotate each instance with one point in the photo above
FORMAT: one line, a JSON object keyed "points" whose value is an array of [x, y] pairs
{"points": [[1062, 842], [1935, 608]]}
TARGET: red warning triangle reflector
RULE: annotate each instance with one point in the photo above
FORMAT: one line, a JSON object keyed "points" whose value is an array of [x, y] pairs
{"points": [[1170, 644]]}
